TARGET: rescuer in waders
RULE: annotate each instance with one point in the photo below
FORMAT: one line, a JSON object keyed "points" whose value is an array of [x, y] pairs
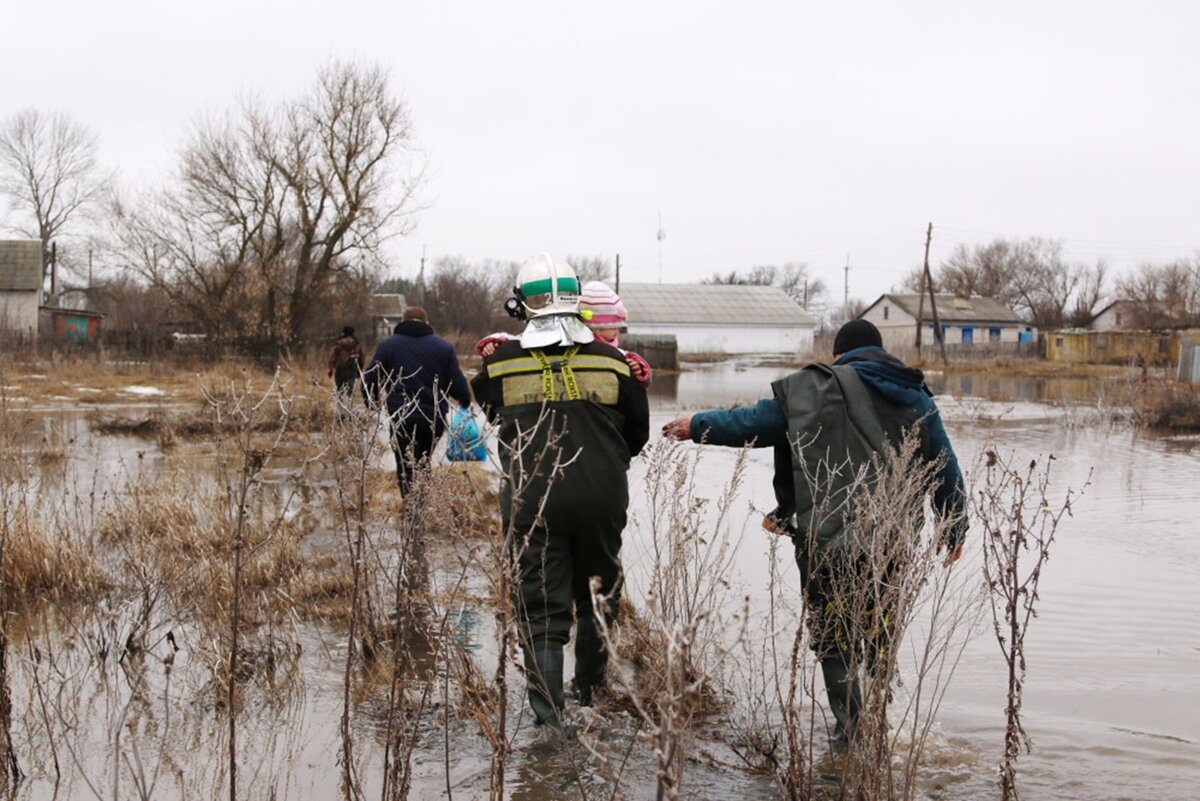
{"points": [[819, 419], [571, 416]]}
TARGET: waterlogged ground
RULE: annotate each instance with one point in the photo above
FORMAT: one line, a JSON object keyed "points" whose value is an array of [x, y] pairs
{"points": [[1114, 656]]}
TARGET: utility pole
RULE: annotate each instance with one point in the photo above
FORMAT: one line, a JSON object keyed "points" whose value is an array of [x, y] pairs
{"points": [[421, 279], [921, 293], [618, 282], [846, 290], [53, 273], [89, 267], [927, 279]]}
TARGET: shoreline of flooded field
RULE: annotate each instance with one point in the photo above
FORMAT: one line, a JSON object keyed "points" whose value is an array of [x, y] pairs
{"points": [[1112, 657]]}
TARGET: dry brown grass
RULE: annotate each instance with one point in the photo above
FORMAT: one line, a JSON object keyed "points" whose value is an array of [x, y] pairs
{"points": [[1168, 406], [174, 527], [43, 566], [1007, 365]]}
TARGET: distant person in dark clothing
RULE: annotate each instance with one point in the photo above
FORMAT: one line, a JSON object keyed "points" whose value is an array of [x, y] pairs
{"points": [[832, 422], [418, 371], [345, 364]]}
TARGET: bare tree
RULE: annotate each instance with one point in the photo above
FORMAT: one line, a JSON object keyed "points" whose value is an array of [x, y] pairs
{"points": [[592, 268], [1090, 294], [1163, 295], [49, 171], [272, 204], [795, 279], [1033, 276]]}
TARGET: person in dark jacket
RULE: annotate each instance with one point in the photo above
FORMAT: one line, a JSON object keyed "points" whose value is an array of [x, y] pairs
{"points": [[853, 411], [345, 362], [571, 416], [417, 371]]}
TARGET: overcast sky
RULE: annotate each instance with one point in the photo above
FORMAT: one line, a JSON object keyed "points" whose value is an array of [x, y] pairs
{"points": [[764, 132]]}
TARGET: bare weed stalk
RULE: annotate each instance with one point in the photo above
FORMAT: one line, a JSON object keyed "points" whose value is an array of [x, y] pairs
{"points": [[237, 412], [1020, 521], [687, 623]]}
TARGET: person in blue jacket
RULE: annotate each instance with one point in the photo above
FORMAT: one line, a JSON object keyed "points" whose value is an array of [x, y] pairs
{"points": [[418, 371], [851, 411]]}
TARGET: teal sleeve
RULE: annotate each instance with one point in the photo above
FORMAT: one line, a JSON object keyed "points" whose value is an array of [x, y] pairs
{"points": [[762, 425]]}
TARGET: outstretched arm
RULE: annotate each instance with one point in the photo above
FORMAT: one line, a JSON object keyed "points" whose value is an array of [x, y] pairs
{"points": [[761, 425]]}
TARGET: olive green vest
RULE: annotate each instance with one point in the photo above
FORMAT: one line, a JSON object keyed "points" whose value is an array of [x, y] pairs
{"points": [[834, 431]]}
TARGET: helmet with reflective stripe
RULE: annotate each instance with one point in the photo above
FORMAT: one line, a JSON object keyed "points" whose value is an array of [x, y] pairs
{"points": [[548, 286]]}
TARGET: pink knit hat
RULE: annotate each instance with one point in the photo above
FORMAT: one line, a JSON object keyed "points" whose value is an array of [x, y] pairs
{"points": [[605, 305]]}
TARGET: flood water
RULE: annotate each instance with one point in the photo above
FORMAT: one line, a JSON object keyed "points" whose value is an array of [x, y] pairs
{"points": [[1112, 700]]}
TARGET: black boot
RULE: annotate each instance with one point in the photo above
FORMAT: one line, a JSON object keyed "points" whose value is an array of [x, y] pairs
{"points": [[544, 674], [591, 660], [845, 697]]}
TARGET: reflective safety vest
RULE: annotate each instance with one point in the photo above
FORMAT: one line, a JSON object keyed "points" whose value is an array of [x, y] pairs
{"points": [[570, 376]]}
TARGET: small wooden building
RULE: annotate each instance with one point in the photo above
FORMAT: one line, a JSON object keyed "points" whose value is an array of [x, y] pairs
{"points": [[20, 287], [77, 326]]}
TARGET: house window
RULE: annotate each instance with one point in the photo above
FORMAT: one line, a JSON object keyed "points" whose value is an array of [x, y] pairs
{"points": [[885, 312], [993, 335], [1118, 319], [1101, 342], [1058, 342], [968, 335]]}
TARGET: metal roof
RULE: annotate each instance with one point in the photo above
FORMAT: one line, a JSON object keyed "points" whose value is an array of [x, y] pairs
{"points": [[953, 309], [20, 265], [712, 304]]}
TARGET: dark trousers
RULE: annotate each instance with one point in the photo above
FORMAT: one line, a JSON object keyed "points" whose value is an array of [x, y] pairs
{"points": [[412, 442], [849, 626], [556, 564], [343, 382]]}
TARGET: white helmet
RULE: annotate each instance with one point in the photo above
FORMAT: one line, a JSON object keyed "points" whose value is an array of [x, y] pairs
{"points": [[546, 286]]}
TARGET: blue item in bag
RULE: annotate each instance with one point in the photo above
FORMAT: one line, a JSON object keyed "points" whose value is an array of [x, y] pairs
{"points": [[465, 442]]}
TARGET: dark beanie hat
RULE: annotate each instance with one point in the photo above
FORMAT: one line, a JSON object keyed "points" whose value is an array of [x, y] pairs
{"points": [[856, 334]]}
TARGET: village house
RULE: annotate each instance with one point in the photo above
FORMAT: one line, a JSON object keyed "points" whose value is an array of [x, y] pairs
{"points": [[719, 318], [1116, 316], [973, 322], [20, 286]]}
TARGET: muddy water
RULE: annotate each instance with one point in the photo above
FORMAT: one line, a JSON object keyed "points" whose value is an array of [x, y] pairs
{"points": [[1114, 658]]}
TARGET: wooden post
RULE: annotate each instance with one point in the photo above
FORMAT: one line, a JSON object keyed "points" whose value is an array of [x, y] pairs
{"points": [[938, 334], [921, 293], [617, 288]]}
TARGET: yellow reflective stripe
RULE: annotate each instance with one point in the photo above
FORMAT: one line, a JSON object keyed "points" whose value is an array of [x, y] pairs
{"points": [[509, 366], [593, 361], [582, 361], [598, 386]]}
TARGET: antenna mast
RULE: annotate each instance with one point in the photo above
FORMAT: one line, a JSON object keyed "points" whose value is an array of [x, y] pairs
{"points": [[661, 235]]}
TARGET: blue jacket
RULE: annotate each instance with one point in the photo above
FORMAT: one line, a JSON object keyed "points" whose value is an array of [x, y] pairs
{"points": [[887, 379], [418, 371]]}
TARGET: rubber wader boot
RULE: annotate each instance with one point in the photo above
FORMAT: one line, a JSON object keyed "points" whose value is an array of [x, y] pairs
{"points": [[845, 698], [591, 661], [544, 669]]}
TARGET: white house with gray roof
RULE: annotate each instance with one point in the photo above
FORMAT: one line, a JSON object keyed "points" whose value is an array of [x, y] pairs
{"points": [[20, 286], [719, 318], [973, 321]]}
